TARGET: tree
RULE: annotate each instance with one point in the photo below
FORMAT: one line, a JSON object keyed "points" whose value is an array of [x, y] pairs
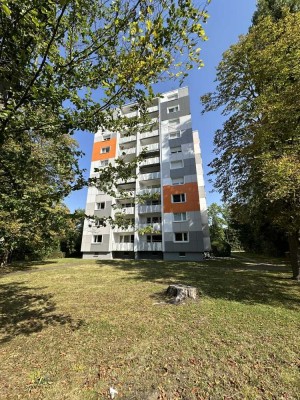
{"points": [[68, 65], [258, 147], [70, 243], [223, 235], [274, 8]]}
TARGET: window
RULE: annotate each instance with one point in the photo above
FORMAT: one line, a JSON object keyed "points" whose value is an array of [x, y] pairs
{"points": [[100, 206], [176, 164], [105, 150], [128, 205], [97, 238], [154, 238], [174, 135], [178, 181], [179, 217], [175, 150], [182, 254], [178, 198], [173, 109], [153, 202], [98, 223], [173, 124], [181, 237], [104, 163], [107, 137], [153, 220], [127, 239], [173, 96]]}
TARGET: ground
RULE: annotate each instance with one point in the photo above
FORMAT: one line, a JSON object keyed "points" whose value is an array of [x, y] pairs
{"points": [[71, 329]]}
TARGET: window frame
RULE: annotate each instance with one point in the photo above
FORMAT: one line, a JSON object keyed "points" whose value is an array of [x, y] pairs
{"points": [[177, 161], [172, 96], [183, 237], [100, 208], [178, 194], [104, 163], [175, 107], [96, 241], [180, 183], [176, 149], [183, 213], [105, 150]]}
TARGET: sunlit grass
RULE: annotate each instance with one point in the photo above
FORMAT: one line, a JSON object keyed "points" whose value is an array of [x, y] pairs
{"points": [[70, 329]]}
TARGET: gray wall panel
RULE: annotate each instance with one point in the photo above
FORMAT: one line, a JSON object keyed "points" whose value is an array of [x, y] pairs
{"points": [[104, 246], [184, 108], [188, 169], [195, 243]]}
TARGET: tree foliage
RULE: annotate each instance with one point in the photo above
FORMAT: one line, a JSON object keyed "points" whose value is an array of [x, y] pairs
{"points": [[274, 8], [258, 147], [68, 65]]}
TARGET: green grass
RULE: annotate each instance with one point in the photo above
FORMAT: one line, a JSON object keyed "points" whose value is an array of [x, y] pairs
{"points": [[70, 329]]}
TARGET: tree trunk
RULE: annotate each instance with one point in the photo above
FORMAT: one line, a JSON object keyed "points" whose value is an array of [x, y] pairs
{"points": [[4, 258], [181, 292], [294, 245]]}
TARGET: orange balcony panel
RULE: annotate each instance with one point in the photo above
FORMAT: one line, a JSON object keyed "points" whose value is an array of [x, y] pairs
{"points": [[191, 198], [98, 146]]}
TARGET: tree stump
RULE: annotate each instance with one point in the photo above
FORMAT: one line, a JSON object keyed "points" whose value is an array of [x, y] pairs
{"points": [[181, 292]]}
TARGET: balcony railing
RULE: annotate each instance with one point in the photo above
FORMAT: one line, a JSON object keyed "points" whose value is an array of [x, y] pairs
{"points": [[125, 210], [150, 161], [143, 246], [126, 194], [150, 176], [151, 147], [149, 191], [123, 246], [127, 139], [131, 114], [131, 150], [152, 109], [149, 134], [121, 229], [123, 181], [144, 209], [155, 227]]}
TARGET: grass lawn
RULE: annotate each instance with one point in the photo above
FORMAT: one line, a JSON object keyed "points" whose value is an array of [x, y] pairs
{"points": [[70, 329]]}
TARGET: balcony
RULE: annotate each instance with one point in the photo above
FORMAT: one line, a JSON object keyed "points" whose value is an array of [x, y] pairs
{"points": [[152, 109], [144, 209], [149, 134], [125, 210], [126, 194], [129, 151], [143, 246], [150, 147], [130, 179], [156, 227], [149, 191], [127, 139], [150, 176], [120, 229], [150, 161], [122, 247], [131, 114]]}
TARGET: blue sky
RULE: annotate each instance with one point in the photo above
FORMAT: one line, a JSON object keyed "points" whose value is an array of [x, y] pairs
{"points": [[228, 19]]}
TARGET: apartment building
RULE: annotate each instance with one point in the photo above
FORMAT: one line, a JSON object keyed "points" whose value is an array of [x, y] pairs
{"points": [[171, 221]]}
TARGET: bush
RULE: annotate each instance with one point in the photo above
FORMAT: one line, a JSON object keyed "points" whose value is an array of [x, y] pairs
{"points": [[220, 248]]}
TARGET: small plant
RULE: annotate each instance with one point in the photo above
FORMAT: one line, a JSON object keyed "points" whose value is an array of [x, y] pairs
{"points": [[38, 378]]}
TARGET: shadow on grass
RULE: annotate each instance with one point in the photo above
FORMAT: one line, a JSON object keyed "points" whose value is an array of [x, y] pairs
{"points": [[23, 311], [23, 266], [228, 279]]}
